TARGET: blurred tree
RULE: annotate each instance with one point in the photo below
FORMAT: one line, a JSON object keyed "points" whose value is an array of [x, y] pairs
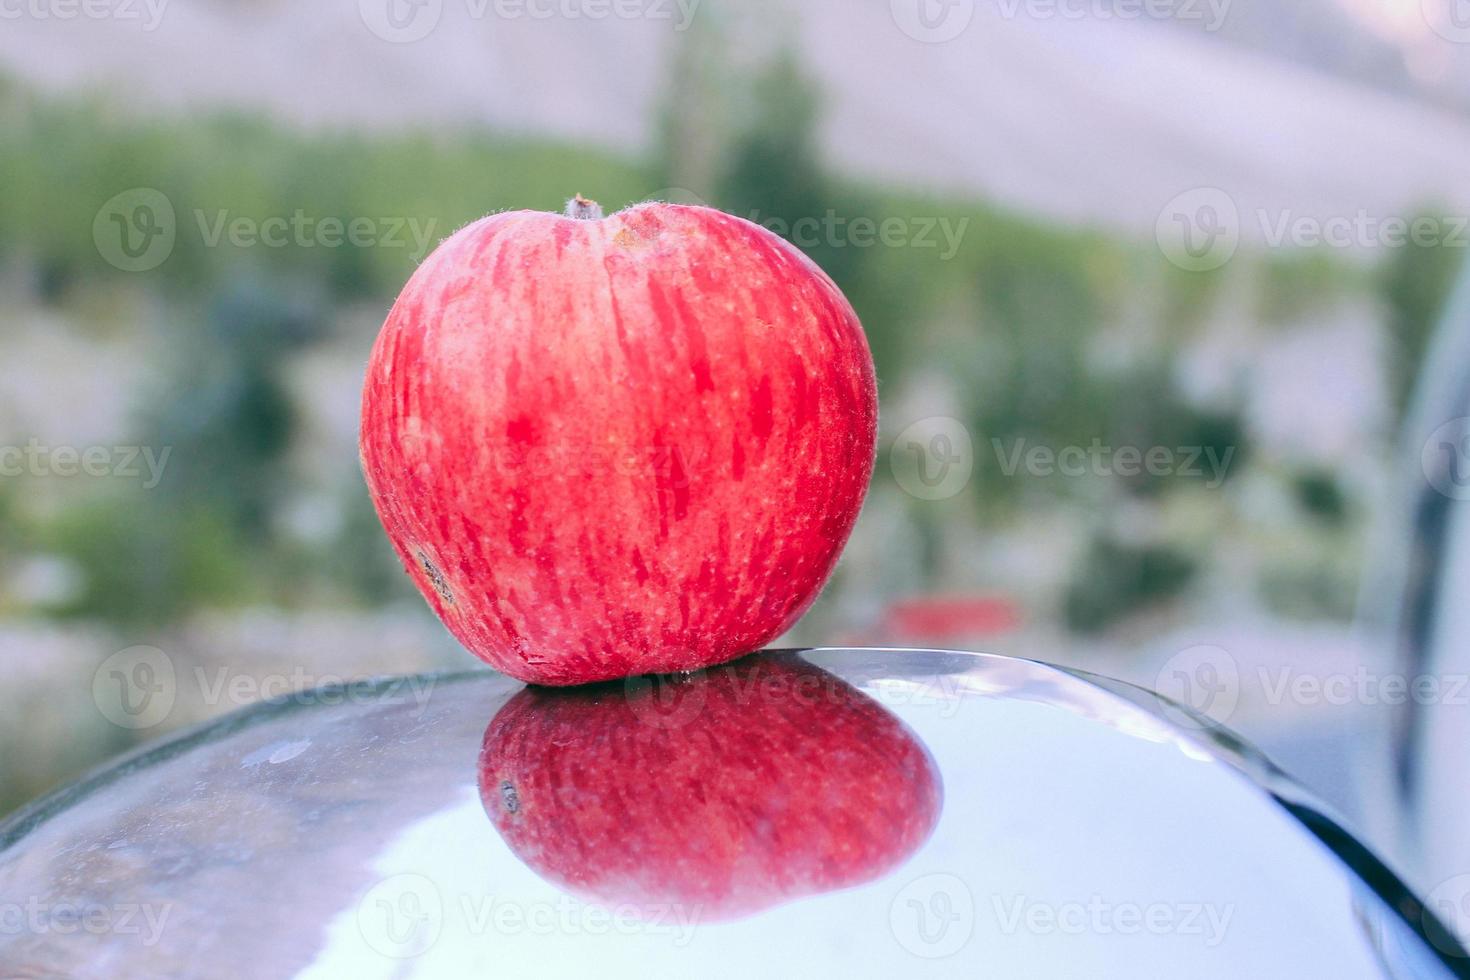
{"points": [[204, 535], [148, 562], [1319, 495], [1118, 578], [228, 418], [360, 556], [1416, 284], [695, 114], [776, 173]]}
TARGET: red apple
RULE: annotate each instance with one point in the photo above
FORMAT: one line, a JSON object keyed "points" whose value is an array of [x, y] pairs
{"points": [[612, 446], [763, 781]]}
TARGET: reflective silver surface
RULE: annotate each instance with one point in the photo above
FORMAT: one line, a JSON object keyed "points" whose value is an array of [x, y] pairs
{"points": [[1417, 598], [828, 813]]}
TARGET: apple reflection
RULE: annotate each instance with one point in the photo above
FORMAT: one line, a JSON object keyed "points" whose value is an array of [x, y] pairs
{"points": [[728, 791]]}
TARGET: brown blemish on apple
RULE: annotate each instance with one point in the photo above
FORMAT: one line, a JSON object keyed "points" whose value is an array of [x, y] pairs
{"points": [[639, 228], [637, 237], [510, 797], [436, 578]]}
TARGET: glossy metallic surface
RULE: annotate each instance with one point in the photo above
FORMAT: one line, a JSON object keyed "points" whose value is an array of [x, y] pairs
{"points": [[1083, 828], [1416, 596]]}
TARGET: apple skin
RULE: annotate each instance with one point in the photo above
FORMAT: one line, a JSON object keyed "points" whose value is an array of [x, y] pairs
{"points": [[776, 781], [624, 445]]}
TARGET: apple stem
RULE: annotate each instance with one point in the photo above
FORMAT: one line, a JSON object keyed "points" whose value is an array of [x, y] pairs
{"points": [[584, 210]]}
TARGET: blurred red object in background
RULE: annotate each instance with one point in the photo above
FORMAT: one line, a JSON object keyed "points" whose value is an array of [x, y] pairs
{"points": [[934, 619]]}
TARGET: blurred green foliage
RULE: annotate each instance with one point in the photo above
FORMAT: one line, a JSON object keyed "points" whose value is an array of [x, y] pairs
{"points": [[1416, 284], [145, 564], [1118, 578], [64, 159]]}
